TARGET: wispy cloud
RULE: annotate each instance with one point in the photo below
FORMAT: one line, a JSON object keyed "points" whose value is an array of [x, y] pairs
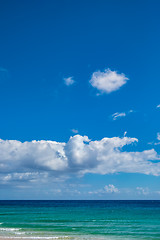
{"points": [[108, 81], [158, 136], [118, 115], [69, 81], [158, 106]]}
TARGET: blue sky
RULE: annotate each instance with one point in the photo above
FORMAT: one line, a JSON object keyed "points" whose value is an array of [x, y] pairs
{"points": [[83, 76]]}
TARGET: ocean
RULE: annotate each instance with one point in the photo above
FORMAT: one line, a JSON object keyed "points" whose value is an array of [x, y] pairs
{"points": [[79, 220]]}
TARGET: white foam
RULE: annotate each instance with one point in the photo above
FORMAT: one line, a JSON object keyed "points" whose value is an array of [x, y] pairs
{"points": [[10, 229], [19, 233]]}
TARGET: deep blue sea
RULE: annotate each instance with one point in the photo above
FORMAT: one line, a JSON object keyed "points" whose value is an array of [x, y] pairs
{"points": [[80, 219]]}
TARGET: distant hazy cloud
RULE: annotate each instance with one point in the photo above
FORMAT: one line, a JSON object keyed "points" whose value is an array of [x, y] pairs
{"points": [[111, 189], [158, 106], [142, 190], [69, 81], [108, 81], [74, 131]]}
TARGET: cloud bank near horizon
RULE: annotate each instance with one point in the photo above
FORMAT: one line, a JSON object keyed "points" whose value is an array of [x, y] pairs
{"points": [[80, 155]]}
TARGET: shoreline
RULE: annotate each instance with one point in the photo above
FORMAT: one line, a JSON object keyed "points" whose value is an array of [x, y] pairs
{"points": [[30, 238]]}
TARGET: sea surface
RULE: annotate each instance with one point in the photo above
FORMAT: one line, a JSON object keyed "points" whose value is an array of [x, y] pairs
{"points": [[79, 220]]}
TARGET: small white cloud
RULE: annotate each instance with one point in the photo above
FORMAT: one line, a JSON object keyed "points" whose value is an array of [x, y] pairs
{"points": [[118, 115], [131, 111], [74, 131], [7, 177], [125, 133], [69, 81], [111, 189], [158, 106], [108, 81], [158, 136]]}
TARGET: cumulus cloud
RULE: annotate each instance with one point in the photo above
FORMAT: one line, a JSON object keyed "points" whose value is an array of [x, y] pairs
{"points": [[158, 136], [118, 115], [108, 81], [69, 81], [30, 160]]}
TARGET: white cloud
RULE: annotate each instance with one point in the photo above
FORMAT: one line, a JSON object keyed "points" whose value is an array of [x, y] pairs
{"points": [[69, 81], [111, 189], [158, 136], [158, 106], [125, 133], [29, 161], [118, 115], [19, 176], [131, 111], [108, 81]]}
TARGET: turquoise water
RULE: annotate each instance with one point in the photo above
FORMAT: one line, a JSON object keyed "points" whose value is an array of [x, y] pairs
{"points": [[80, 219]]}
